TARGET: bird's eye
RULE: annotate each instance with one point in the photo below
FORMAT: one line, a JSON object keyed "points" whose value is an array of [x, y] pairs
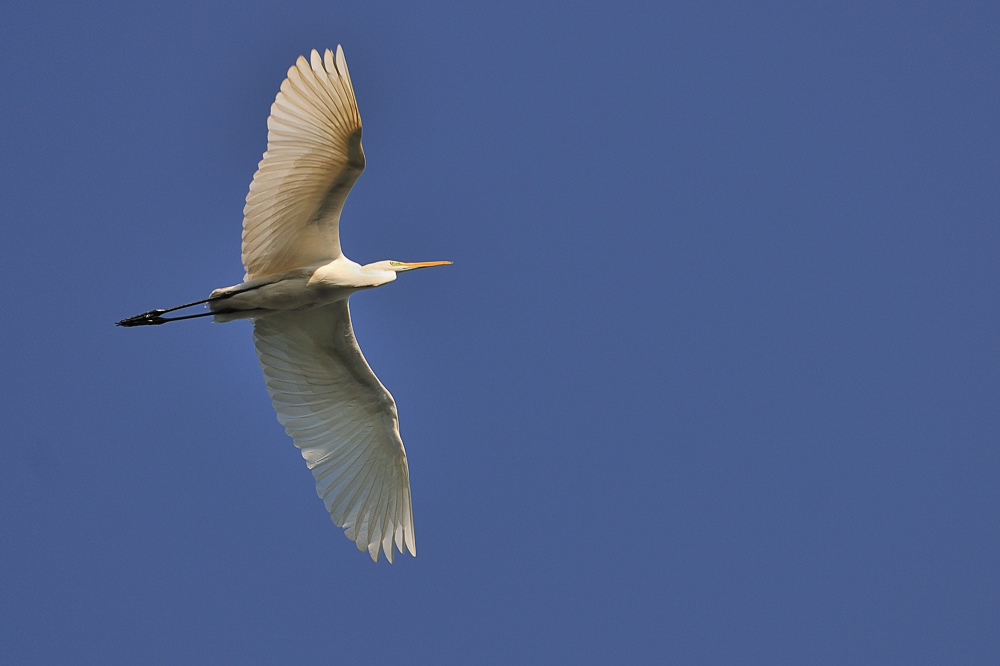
{"points": [[395, 263]]}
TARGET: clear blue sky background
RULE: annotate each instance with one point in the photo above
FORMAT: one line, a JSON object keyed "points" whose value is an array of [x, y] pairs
{"points": [[714, 378]]}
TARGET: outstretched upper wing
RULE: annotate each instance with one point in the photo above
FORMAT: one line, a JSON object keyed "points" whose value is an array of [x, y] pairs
{"points": [[343, 419], [313, 157]]}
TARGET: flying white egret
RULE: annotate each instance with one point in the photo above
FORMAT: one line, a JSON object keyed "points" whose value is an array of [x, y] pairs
{"points": [[296, 289]]}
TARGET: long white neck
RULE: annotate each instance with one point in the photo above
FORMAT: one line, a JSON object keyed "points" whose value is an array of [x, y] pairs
{"points": [[381, 272], [342, 272]]}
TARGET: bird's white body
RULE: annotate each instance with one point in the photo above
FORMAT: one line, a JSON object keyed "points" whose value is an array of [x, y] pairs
{"points": [[296, 291], [300, 288]]}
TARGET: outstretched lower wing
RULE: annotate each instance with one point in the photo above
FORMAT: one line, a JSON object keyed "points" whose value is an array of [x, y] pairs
{"points": [[314, 156], [343, 419]]}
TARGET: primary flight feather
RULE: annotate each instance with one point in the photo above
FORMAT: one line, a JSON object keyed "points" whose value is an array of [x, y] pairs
{"points": [[313, 158], [296, 291]]}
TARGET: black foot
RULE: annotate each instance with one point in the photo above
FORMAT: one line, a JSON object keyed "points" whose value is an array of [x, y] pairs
{"points": [[151, 318]]}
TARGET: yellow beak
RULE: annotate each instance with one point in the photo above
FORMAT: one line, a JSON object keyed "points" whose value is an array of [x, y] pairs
{"points": [[425, 264]]}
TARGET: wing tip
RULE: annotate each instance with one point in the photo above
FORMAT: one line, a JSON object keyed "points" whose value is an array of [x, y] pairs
{"points": [[378, 547]]}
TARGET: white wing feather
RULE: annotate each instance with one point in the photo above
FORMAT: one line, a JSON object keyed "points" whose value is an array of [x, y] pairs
{"points": [[343, 420], [314, 156]]}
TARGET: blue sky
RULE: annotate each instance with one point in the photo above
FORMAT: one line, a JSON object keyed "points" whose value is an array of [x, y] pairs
{"points": [[714, 377]]}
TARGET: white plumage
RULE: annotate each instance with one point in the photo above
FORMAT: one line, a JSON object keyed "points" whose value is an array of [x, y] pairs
{"points": [[296, 291], [314, 156], [343, 420]]}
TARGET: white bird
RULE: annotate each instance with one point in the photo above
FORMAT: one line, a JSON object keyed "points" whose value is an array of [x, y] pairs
{"points": [[296, 289]]}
